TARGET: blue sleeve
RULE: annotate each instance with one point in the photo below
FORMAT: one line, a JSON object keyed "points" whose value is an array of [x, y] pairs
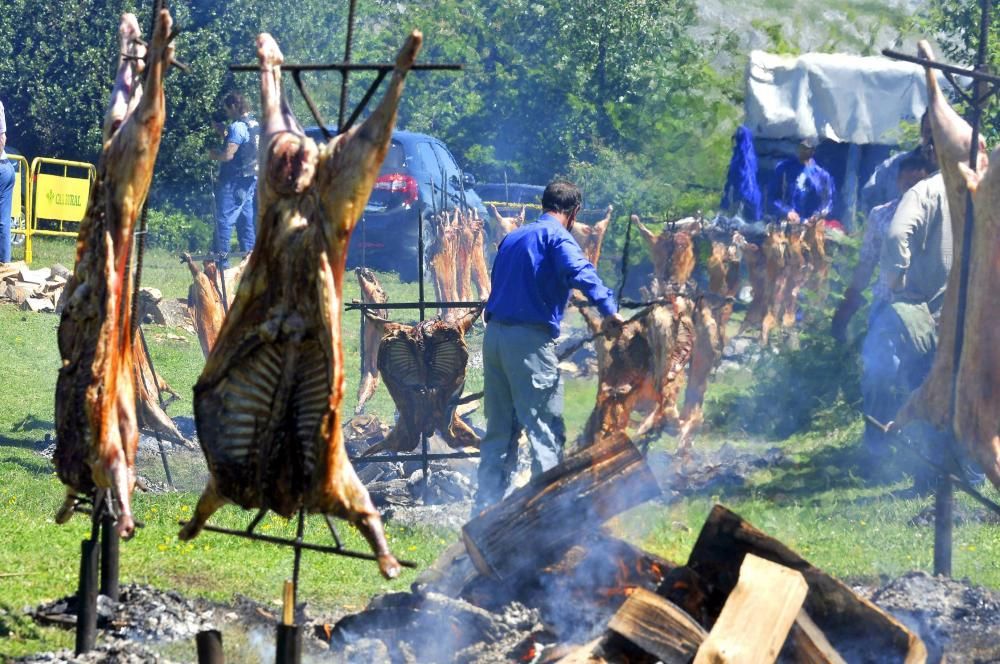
{"points": [[775, 202], [237, 133], [577, 272], [827, 195]]}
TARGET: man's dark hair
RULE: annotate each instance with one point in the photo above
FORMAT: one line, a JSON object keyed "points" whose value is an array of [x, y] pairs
{"points": [[561, 196], [219, 117], [236, 99], [914, 162]]}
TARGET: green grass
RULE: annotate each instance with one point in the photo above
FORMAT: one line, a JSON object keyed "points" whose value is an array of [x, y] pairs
{"points": [[816, 503]]}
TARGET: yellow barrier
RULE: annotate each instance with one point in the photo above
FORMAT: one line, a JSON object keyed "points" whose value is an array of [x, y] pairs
{"points": [[22, 195], [57, 197]]}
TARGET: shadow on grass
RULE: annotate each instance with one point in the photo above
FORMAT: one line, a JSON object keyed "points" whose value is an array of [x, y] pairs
{"points": [[40, 467], [32, 423], [29, 443]]}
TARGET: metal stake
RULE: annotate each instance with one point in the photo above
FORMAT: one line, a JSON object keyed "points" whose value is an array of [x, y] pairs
{"points": [[209, 643], [944, 503], [86, 596], [110, 546]]}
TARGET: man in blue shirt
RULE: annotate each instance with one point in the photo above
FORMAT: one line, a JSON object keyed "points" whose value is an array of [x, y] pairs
{"points": [[6, 192], [535, 268], [801, 188], [237, 191]]}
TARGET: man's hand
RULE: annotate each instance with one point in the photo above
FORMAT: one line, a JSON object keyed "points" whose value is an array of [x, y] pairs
{"points": [[612, 325]]}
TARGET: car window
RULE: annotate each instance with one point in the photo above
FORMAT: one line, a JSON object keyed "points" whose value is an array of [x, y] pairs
{"points": [[428, 161], [448, 164], [394, 159]]}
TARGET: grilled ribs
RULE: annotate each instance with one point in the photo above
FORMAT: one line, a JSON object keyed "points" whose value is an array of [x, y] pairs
{"points": [[95, 407], [267, 403]]}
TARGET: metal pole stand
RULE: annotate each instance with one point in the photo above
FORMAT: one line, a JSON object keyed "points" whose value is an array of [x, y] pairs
{"points": [[209, 644], [86, 594], [944, 503], [110, 545]]}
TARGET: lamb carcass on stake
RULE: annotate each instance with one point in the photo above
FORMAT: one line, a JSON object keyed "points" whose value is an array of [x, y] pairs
{"points": [[480, 272], [506, 225], [148, 388], [205, 303], [267, 403], [465, 240], [976, 417], [672, 252], [371, 333], [591, 238], [423, 367], [443, 262], [95, 407]]}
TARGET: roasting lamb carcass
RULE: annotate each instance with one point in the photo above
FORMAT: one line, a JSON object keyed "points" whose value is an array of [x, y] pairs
{"points": [[673, 257], [443, 263], [976, 418], [371, 333], [95, 415], [267, 403], [480, 273], [148, 387], [205, 303], [591, 238], [465, 240], [423, 366]]}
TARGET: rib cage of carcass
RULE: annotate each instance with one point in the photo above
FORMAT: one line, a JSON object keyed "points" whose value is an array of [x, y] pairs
{"points": [[95, 404], [423, 367], [267, 403]]}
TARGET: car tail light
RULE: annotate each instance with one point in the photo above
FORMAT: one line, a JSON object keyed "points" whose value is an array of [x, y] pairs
{"points": [[404, 186]]}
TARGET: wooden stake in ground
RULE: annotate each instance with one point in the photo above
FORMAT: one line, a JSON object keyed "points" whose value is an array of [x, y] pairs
{"points": [[758, 615], [659, 627], [539, 521]]}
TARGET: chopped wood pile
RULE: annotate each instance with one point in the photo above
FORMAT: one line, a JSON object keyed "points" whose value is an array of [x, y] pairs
{"points": [[32, 290], [537, 579]]}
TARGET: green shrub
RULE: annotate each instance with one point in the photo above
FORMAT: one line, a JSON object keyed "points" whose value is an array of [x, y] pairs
{"points": [[178, 231]]}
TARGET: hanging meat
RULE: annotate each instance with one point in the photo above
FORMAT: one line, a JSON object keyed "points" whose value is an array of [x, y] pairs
{"points": [[148, 390], [798, 266], [672, 252], [205, 303], [443, 262], [705, 355], [819, 264], [766, 267], [371, 333], [465, 240], [480, 273], [423, 366], [645, 364], [976, 418], [267, 403], [505, 225], [591, 238], [95, 415]]}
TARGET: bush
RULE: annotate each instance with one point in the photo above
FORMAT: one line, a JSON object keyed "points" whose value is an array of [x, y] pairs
{"points": [[172, 230]]}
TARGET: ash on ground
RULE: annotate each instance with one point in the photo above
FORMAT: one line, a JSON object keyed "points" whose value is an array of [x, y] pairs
{"points": [[958, 622], [119, 651]]}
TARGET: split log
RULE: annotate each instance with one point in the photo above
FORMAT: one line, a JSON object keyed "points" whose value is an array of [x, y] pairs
{"points": [[539, 520], [757, 616], [809, 644], [851, 623], [659, 627]]}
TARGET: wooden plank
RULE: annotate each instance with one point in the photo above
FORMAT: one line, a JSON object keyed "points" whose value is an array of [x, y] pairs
{"points": [[757, 616], [537, 522], [845, 618], [658, 626], [809, 644]]}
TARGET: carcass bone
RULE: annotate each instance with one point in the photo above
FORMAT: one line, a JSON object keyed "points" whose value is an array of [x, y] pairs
{"points": [[95, 405], [371, 332], [424, 366], [976, 417], [267, 402]]}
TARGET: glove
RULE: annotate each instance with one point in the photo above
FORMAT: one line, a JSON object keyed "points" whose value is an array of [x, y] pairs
{"points": [[853, 300]]}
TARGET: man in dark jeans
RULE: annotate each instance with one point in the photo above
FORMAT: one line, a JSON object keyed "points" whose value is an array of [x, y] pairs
{"points": [[237, 189], [6, 191], [535, 268]]}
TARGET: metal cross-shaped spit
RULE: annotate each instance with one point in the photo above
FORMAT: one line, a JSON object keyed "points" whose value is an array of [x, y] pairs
{"points": [[985, 85]]}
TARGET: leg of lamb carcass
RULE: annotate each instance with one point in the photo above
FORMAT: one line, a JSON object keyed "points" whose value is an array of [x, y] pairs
{"points": [[705, 354], [371, 293], [669, 331], [149, 412], [976, 422], [267, 403], [423, 367], [204, 304], [465, 240], [95, 397], [591, 238]]}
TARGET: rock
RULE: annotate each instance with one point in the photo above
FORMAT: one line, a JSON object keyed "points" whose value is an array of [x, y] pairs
{"points": [[39, 276], [38, 304], [149, 311], [60, 270]]}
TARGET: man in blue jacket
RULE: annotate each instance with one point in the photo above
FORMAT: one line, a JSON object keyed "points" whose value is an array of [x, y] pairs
{"points": [[536, 266], [800, 188], [6, 191]]}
